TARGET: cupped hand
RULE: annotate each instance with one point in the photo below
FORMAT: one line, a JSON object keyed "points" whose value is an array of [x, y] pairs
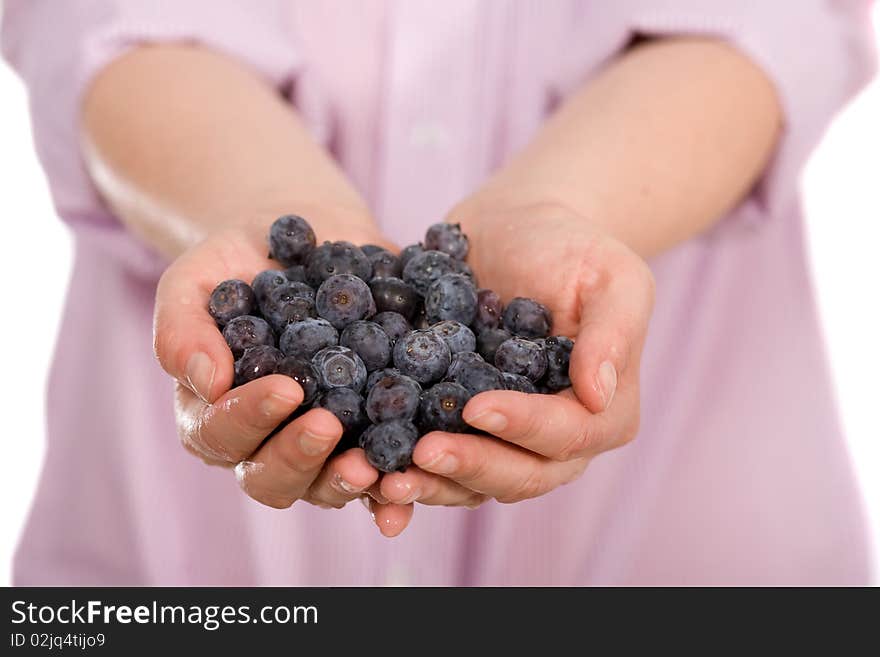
{"points": [[238, 427], [600, 294]]}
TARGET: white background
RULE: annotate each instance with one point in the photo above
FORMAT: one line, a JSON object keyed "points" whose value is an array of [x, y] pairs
{"points": [[842, 189]]}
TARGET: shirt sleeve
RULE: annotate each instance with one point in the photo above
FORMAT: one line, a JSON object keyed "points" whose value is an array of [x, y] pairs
{"points": [[58, 47], [817, 53]]}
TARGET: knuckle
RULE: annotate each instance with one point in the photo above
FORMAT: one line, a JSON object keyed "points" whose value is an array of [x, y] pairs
{"points": [[581, 443], [273, 500], [532, 485]]}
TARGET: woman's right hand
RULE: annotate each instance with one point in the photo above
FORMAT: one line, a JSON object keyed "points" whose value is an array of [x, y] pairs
{"points": [[229, 426]]}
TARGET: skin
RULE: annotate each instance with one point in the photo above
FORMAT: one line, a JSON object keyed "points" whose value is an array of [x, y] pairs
{"points": [[648, 153]]}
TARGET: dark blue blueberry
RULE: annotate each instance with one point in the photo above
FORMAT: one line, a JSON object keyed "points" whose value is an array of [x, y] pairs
{"points": [[291, 240], [231, 299], [425, 268], [521, 356], [447, 238], [441, 406], [463, 268], [300, 289], [296, 274], [347, 406], [457, 336], [409, 252], [477, 376], [306, 338], [285, 305], [527, 318], [343, 299], [378, 374], [558, 348], [389, 446], [334, 258], [394, 324], [422, 355], [339, 367], [489, 340], [393, 398], [489, 309], [385, 264], [370, 249], [255, 363], [369, 341], [266, 281], [301, 371], [452, 296], [420, 321], [247, 331], [460, 359], [393, 295], [518, 383]]}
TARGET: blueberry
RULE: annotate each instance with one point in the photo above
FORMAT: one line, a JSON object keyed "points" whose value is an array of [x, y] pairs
{"points": [[344, 298], [393, 295], [370, 249], [518, 382], [558, 348], [447, 238], [301, 371], [425, 268], [300, 289], [291, 240], [333, 258], [452, 296], [256, 362], [521, 356], [463, 268], [389, 446], [440, 408], [457, 336], [393, 398], [489, 310], [339, 367], [489, 340], [231, 299], [347, 406], [385, 264], [409, 252], [296, 274], [285, 305], [374, 377], [306, 338], [266, 281], [247, 331], [420, 321], [394, 324], [477, 376], [422, 355], [369, 341], [527, 318], [459, 360]]}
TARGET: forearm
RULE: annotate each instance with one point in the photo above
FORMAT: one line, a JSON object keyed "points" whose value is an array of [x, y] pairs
{"points": [[654, 149], [182, 142]]}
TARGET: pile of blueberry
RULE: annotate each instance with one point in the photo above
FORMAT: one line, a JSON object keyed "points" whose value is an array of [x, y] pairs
{"points": [[392, 345]]}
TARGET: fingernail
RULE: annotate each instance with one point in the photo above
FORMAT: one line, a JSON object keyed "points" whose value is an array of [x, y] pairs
{"points": [[443, 463], [607, 382], [277, 405], [490, 421], [200, 370], [312, 445], [344, 486]]}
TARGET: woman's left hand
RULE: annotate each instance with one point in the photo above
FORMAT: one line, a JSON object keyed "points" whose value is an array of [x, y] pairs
{"points": [[600, 294]]}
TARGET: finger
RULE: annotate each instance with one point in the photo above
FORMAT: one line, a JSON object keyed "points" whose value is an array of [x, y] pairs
{"points": [[343, 479], [416, 485], [231, 428], [615, 312], [186, 340], [391, 519], [493, 467], [281, 471], [556, 426]]}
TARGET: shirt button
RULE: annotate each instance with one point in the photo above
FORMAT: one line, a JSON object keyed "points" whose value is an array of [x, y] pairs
{"points": [[428, 134]]}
